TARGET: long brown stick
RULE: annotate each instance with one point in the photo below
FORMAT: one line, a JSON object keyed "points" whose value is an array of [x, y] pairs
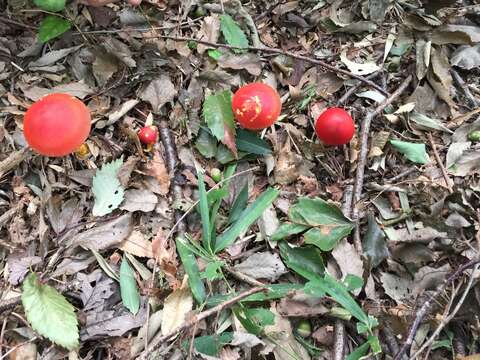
{"points": [[277, 51], [160, 339], [440, 163], [362, 161]]}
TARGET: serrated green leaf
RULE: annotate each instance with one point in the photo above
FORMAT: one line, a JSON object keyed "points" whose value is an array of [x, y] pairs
{"points": [[128, 287], [218, 113], [206, 144], [50, 5], [107, 189], [306, 261], [232, 33], [249, 142], [49, 313], [328, 223], [51, 27], [247, 218], [413, 152]]}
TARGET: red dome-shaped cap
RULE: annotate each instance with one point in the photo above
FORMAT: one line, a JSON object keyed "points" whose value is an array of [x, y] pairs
{"points": [[335, 127], [56, 125], [256, 106]]}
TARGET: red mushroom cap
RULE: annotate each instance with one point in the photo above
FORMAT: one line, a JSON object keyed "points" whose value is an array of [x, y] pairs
{"points": [[256, 106], [56, 125], [335, 127]]}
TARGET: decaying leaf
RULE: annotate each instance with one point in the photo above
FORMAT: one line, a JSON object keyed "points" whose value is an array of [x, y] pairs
{"points": [[137, 245], [262, 265], [165, 254], [158, 92], [156, 168], [177, 305]]}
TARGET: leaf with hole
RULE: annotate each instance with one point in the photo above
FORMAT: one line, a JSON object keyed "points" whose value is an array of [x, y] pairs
{"points": [[106, 188], [49, 313]]}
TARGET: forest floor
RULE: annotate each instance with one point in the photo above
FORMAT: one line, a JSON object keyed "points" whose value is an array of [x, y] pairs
{"points": [[222, 243]]}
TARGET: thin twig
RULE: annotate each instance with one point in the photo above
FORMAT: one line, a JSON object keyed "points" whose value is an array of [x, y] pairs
{"points": [[243, 277], [17, 23], [269, 10], [160, 339], [425, 308], [440, 163], [448, 318], [354, 88], [362, 161], [280, 52]]}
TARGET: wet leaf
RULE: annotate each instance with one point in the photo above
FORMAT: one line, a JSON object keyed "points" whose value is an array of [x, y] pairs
{"points": [[374, 244]]}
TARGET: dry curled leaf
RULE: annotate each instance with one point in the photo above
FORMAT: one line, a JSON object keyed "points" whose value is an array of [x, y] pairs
{"points": [[157, 169]]}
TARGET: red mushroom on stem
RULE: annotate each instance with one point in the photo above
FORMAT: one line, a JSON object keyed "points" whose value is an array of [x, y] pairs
{"points": [[256, 106], [56, 125], [335, 127]]}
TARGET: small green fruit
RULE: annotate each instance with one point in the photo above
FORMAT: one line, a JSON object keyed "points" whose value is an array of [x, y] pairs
{"points": [[216, 175], [474, 135], [304, 328]]}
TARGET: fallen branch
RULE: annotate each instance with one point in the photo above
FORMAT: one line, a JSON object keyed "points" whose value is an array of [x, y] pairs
{"points": [[425, 309], [362, 160], [276, 51], [160, 339], [466, 91]]}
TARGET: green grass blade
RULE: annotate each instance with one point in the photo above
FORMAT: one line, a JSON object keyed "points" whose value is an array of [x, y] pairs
{"points": [[191, 268], [247, 218], [204, 213]]}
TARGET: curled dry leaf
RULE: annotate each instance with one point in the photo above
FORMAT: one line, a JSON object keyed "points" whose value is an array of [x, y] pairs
{"points": [[137, 245], [157, 169], [177, 305], [165, 254]]}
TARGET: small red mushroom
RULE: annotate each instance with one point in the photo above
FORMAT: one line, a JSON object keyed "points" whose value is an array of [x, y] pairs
{"points": [[335, 127], [256, 106], [148, 135], [56, 125]]}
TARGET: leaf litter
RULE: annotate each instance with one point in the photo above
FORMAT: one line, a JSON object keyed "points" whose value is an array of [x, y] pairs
{"points": [[113, 229]]}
